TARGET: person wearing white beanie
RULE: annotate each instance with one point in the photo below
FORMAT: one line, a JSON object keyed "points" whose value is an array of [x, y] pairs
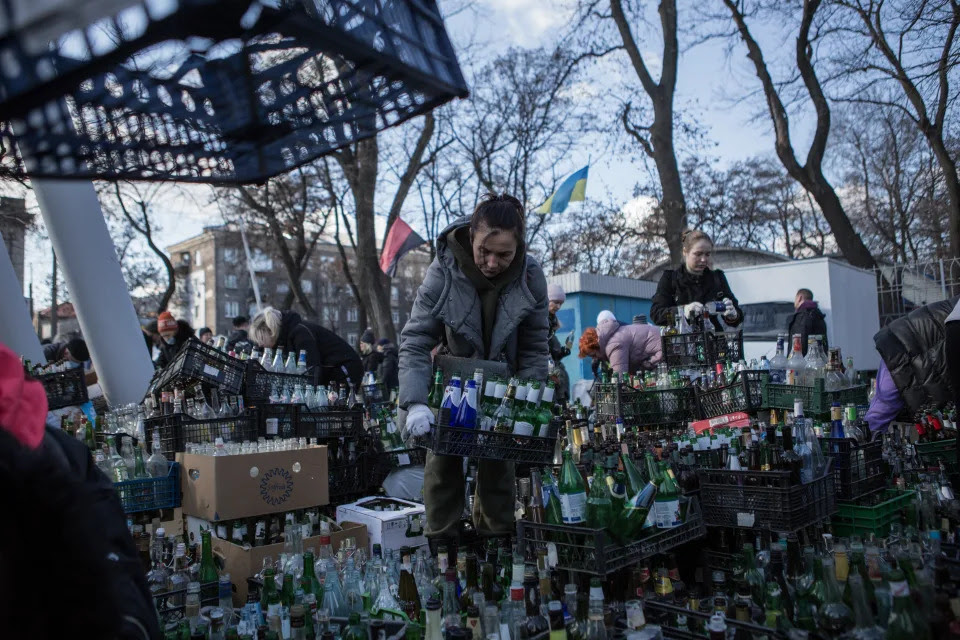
{"points": [[556, 297]]}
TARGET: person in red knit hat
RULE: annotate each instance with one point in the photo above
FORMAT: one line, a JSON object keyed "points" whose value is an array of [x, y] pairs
{"points": [[173, 335], [64, 528]]}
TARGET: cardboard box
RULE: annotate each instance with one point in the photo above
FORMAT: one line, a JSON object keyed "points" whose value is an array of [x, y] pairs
{"points": [[239, 486], [242, 562], [386, 528]]}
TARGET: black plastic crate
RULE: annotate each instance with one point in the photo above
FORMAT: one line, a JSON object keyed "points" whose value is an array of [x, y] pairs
{"points": [[149, 494], [593, 551], [857, 469], [745, 393], [349, 478], [473, 443], [258, 382], [381, 462], [177, 429], [702, 348], [64, 389], [171, 604], [198, 362], [615, 400], [765, 499], [277, 421], [665, 407], [332, 422]]}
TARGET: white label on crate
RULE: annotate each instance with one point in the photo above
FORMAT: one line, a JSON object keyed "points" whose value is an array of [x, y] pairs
{"points": [[403, 459], [211, 371], [572, 507], [273, 425], [745, 519]]}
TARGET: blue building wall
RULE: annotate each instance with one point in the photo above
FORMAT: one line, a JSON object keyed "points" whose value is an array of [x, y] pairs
{"points": [[580, 311]]}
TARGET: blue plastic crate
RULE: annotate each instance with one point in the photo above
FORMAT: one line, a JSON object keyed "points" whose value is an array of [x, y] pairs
{"points": [[149, 494]]}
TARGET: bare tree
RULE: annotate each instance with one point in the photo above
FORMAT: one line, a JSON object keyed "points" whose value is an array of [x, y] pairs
{"points": [[294, 210], [136, 203], [903, 54], [810, 173]]}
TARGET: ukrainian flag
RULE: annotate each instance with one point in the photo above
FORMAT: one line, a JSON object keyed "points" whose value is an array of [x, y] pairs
{"points": [[573, 189]]}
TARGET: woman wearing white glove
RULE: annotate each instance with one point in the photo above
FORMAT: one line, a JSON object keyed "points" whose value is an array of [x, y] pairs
{"points": [[482, 297], [693, 284]]}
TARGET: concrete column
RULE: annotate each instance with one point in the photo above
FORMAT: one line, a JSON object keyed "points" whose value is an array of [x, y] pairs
{"points": [[99, 294], [16, 328]]}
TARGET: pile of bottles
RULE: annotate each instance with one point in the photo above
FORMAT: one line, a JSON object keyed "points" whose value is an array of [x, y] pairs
{"points": [[507, 406], [805, 370], [194, 405], [121, 460], [34, 370], [277, 363], [262, 445]]}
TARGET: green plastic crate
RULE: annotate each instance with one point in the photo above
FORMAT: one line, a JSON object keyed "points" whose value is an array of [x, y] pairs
{"points": [[816, 400], [854, 519], [931, 453]]}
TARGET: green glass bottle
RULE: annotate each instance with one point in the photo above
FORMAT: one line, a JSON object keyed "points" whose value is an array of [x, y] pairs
{"points": [[505, 414], [286, 592], [617, 484], [269, 598], [599, 504], [817, 586], [139, 470], [902, 625], [773, 608], [355, 630], [635, 479], [668, 500], [835, 617], [752, 574], [89, 435], [551, 507], [208, 570], [309, 582], [628, 525], [435, 397], [573, 492], [545, 410], [524, 423]]}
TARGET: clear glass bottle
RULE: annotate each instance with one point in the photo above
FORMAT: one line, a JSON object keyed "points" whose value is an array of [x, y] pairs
{"points": [[796, 364]]}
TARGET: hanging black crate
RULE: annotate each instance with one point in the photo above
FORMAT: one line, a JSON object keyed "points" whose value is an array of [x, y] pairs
{"points": [[857, 468], [64, 389], [177, 429], [593, 551], [702, 349], [199, 362], [765, 499], [228, 91], [745, 394], [258, 382]]}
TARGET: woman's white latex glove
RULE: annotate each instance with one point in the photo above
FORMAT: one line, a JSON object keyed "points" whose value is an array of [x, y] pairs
{"points": [[730, 313], [693, 309]]}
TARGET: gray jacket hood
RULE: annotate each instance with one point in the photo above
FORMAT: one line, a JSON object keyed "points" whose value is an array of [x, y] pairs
{"points": [[447, 313]]}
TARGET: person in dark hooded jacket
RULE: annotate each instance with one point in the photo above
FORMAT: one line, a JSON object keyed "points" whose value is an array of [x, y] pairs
{"points": [[65, 524], [286, 331], [807, 319], [389, 370], [173, 335], [238, 341]]}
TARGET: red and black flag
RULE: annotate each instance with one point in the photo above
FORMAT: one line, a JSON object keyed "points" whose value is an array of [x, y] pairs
{"points": [[400, 240]]}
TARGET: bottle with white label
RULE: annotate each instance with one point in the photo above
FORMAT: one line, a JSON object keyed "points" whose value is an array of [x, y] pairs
{"points": [[573, 492]]}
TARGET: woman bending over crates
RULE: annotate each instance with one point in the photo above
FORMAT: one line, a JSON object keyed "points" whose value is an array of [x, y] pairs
{"points": [[696, 286], [483, 297], [627, 347]]}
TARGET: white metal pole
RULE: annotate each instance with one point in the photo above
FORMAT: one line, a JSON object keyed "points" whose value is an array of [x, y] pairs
{"points": [[74, 221], [253, 275], [16, 328]]}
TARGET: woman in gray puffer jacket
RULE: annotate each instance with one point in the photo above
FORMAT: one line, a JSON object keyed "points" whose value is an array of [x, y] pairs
{"points": [[482, 297]]}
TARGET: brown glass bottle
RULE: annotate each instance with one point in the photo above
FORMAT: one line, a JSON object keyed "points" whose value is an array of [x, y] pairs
{"points": [[790, 460]]}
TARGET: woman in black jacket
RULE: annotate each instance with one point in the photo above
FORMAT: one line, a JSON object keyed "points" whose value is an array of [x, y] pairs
{"points": [[694, 284], [286, 331]]}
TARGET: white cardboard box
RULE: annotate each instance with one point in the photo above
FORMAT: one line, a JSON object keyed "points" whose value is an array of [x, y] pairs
{"points": [[386, 528]]}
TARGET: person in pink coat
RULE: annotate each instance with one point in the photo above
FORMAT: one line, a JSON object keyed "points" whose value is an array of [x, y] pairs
{"points": [[627, 347]]}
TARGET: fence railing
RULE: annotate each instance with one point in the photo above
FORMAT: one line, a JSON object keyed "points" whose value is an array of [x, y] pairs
{"points": [[901, 288]]}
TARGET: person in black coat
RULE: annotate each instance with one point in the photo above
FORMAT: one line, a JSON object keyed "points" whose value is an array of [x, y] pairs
{"points": [[807, 319], [173, 335], [238, 341], [287, 331], [369, 355], [388, 372], [65, 527], [694, 284]]}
